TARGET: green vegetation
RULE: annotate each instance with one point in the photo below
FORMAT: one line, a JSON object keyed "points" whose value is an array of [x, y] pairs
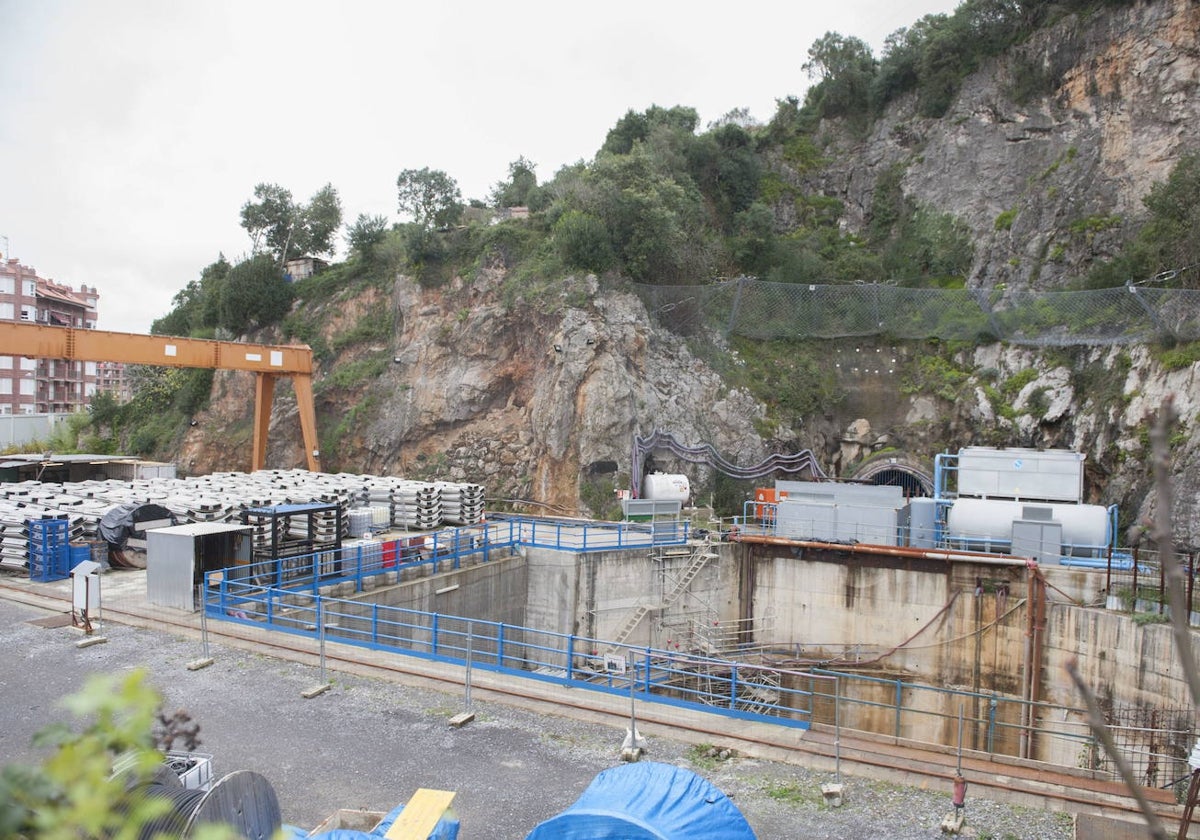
{"points": [[354, 373], [74, 792], [709, 757], [1178, 357], [795, 794], [1093, 224], [999, 404], [667, 202], [375, 325], [353, 419], [284, 229], [1103, 386], [598, 494], [930, 59], [794, 378], [1141, 619], [1167, 243], [1013, 385], [935, 373]]}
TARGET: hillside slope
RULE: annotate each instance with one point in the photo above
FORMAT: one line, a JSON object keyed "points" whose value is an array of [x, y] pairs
{"points": [[540, 401]]}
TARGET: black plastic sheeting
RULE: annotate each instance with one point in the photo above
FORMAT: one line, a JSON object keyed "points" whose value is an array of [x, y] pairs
{"points": [[122, 522]]}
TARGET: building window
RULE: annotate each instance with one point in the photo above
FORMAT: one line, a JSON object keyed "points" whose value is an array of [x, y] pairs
{"points": [[6, 362], [30, 287], [28, 409], [5, 409], [7, 286], [7, 311], [89, 368], [28, 388], [6, 386], [28, 363], [28, 313]]}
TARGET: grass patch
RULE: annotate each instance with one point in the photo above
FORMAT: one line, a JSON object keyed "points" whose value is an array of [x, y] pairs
{"points": [[1179, 357], [355, 373], [795, 794], [708, 756]]}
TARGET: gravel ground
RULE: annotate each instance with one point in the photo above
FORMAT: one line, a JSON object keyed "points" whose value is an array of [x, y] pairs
{"points": [[369, 744]]}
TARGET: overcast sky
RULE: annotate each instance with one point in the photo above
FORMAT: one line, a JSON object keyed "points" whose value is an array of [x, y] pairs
{"points": [[133, 131]]}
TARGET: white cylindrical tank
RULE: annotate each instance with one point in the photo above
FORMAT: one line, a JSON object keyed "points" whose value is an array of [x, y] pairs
{"points": [[669, 487], [992, 519]]}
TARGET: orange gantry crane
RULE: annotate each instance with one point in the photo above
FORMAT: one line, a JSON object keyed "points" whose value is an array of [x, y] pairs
{"points": [[267, 361]]}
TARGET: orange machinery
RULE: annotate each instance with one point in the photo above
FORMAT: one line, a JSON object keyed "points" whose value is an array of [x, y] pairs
{"points": [[267, 361]]}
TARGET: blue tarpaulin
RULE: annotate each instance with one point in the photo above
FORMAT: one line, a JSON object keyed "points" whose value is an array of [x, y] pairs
{"points": [[647, 801]]}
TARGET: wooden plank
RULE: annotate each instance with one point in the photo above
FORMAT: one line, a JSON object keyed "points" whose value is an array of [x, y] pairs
{"points": [[420, 815]]}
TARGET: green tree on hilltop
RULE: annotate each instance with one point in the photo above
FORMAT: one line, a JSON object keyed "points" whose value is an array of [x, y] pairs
{"points": [[286, 229], [430, 196]]}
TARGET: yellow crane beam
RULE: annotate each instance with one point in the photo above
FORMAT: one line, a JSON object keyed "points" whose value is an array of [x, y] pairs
{"points": [[267, 361]]}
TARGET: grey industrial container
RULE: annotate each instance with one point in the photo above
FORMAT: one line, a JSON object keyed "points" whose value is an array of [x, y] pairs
{"points": [[839, 512], [859, 494], [918, 522], [1052, 475], [177, 558], [1038, 539]]}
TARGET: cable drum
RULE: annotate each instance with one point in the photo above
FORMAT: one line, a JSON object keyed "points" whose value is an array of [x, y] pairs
{"points": [[172, 822], [243, 801]]}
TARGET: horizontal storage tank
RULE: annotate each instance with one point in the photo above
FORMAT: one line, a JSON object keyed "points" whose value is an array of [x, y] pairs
{"points": [[991, 520], [669, 487]]}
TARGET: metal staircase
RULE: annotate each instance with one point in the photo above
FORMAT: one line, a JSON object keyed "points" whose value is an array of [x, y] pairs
{"points": [[700, 556]]}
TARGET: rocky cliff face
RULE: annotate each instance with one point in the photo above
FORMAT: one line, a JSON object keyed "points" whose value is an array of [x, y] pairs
{"points": [[536, 401], [525, 402], [1072, 165]]}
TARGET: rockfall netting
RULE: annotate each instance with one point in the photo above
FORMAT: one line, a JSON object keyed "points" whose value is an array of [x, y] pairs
{"points": [[764, 310]]}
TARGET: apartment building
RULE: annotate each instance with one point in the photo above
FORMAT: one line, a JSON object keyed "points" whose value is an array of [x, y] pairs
{"points": [[44, 386]]}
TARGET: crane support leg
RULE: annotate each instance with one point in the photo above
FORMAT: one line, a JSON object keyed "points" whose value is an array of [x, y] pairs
{"points": [[302, 383], [264, 393]]}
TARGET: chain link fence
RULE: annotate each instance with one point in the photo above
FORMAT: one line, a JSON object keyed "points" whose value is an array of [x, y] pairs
{"points": [[764, 310]]}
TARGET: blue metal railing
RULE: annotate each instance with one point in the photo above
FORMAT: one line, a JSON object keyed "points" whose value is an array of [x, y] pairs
{"points": [[449, 548], [735, 689]]}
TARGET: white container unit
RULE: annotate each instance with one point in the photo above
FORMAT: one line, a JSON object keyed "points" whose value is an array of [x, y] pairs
{"points": [[177, 558], [1051, 475]]}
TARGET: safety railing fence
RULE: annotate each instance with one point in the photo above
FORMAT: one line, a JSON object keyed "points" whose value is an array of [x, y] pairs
{"points": [[429, 552], [992, 723], [358, 561], [1155, 742], [582, 535], [770, 310], [1141, 588], [731, 688]]}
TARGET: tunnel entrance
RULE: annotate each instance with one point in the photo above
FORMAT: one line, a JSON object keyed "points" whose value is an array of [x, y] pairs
{"points": [[896, 471]]}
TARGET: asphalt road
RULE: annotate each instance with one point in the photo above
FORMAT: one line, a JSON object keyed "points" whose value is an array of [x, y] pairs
{"points": [[365, 744], [370, 744]]}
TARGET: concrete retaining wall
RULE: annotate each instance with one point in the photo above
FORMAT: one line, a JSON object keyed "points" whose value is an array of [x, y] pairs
{"points": [[956, 627]]}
